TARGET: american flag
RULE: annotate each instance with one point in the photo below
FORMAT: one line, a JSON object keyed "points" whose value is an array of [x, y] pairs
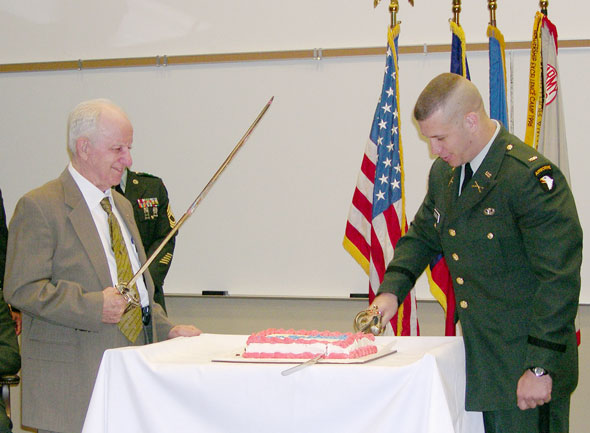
{"points": [[377, 218]]}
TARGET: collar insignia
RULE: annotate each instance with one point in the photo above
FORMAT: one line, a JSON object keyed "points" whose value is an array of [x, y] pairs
{"points": [[436, 215], [478, 186]]}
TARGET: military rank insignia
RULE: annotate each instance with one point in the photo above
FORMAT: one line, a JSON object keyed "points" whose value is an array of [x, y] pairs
{"points": [[149, 206], [166, 259], [171, 218], [544, 175], [436, 216]]}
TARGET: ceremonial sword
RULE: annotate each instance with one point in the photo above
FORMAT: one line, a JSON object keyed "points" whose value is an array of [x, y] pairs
{"points": [[124, 288]]}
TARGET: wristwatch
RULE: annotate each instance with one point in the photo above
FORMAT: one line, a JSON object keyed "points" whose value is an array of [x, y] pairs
{"points": [[538, 371]]}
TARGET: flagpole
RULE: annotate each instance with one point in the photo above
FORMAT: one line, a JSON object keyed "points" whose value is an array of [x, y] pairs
{"points": [[492, 6], [393, 8], [456, 11]]}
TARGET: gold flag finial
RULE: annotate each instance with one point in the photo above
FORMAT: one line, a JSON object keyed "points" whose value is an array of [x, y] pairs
{"points": [[376, 2], [492, 6], [393, 9], [543, 5], [456, 11]]}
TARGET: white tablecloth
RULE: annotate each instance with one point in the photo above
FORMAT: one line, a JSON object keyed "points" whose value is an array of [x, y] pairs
{"points": [[174, 387]]}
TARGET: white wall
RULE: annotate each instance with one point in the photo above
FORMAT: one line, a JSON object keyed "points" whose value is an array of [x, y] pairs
{"points": [[64, 29]]}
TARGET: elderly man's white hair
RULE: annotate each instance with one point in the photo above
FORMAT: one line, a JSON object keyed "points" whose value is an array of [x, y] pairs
{"points": [[84, 119]]}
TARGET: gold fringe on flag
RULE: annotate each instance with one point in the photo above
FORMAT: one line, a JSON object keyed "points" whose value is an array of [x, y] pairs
{"points": [[458, 30], [535, 100]]}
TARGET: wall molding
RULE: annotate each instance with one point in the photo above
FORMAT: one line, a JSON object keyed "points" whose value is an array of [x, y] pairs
{"points": [[313, 54]]}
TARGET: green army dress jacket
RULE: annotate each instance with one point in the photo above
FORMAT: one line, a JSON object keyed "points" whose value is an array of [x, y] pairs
{"points": [[513, 245], [9, 355], [155, 220]]}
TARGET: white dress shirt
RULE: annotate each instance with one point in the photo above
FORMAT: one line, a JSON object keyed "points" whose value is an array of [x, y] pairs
{"points": [[476, 162], [92, 195]]}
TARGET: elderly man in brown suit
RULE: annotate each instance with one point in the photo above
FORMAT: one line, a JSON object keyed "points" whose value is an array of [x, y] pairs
{"points": [[61, 271]]}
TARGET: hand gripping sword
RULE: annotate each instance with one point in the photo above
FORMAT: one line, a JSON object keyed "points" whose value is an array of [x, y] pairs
{"points": [[123, 288]]}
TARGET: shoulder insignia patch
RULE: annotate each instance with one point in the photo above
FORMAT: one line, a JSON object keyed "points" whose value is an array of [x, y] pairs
{"points": [[544, 175]]}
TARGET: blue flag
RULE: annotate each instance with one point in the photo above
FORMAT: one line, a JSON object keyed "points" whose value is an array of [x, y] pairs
{"points": [[459, 64], [498, 106]]}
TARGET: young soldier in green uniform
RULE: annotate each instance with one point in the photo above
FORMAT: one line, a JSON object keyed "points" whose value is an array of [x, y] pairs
{"points": [[154, 219], [513, 244]]}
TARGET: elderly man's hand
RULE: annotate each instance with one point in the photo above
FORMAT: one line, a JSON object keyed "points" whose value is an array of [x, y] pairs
{"points": [[184, 331], [17, 317], [113, 305]]}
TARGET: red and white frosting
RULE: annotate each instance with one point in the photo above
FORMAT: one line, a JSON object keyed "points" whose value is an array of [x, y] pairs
{"points": [[301, 344]]}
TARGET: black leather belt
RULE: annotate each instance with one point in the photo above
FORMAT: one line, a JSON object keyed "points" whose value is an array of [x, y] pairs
{"points": [[146, 315]]}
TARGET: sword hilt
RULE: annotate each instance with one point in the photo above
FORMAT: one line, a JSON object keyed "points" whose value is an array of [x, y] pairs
{"points": [[129, 296], [369, 321]]}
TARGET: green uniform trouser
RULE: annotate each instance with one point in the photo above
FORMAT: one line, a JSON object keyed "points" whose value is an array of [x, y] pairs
{"points": [[5, 424], [549, 418]]}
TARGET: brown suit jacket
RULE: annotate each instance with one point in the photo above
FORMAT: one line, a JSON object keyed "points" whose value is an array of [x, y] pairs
{"points": [[56, 270]]}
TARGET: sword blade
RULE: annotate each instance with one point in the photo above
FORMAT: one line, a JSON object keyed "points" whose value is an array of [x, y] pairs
{"points": [[201, 196]]}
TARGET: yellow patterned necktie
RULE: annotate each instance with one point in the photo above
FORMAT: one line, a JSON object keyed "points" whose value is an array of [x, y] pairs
{"points": [[130, 324]]}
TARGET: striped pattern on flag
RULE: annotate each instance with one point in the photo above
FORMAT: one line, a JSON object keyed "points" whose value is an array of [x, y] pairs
{"points": [[377, 218]]}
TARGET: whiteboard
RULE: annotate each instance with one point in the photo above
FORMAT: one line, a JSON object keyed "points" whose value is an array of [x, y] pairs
{"points": [[273, 223]]}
